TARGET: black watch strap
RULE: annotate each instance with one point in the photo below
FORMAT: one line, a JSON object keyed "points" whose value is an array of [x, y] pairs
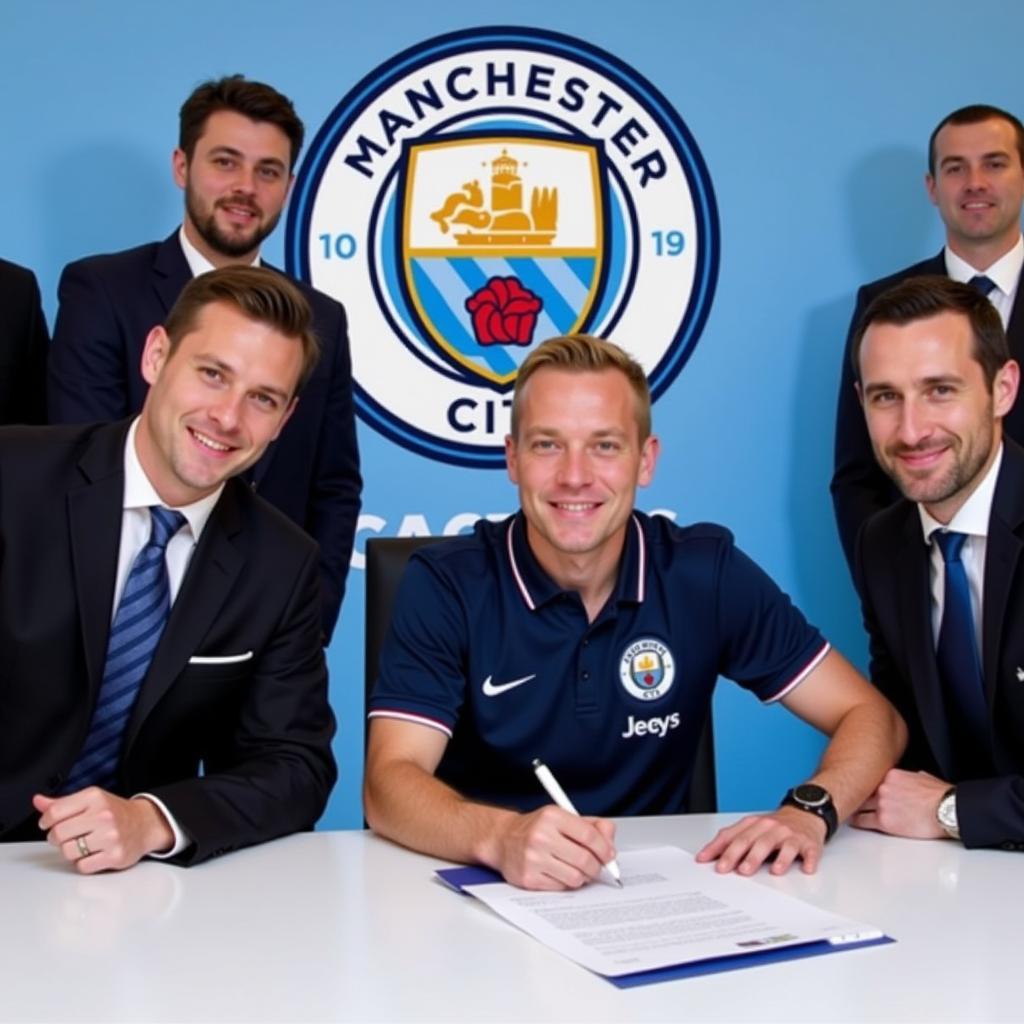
{"points": [[817, 800]]}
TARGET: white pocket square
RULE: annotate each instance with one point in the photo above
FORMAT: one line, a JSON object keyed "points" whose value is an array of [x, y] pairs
{"points": [[223, 659]]}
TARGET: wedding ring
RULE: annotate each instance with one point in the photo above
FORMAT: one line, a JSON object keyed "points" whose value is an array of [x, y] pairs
{"points": [[83, 846]]}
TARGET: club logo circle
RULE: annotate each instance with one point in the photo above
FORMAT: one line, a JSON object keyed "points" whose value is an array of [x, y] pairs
{"points": [[647, 669], [485, 190]]}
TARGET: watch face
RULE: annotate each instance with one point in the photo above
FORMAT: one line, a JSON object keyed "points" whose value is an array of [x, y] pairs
{"points": [[947, 812], [811, 795]]}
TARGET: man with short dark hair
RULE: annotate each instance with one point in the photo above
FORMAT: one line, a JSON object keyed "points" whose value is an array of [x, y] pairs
{"points": [[976, 180], [164, 687], [238, 143], [589, 635], [941, 573]]}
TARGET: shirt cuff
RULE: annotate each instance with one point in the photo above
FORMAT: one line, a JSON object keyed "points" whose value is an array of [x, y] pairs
{"points": [[181, 841]]}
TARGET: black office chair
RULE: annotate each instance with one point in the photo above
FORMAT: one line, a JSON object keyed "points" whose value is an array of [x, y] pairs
{"points": [[385, 563]]}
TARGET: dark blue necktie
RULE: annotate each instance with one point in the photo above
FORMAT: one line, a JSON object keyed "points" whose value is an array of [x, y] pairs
{"points": [[138, 625], [982, 284], [959, 663]]}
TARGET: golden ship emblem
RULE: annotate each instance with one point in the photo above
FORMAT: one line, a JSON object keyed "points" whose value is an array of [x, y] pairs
{"points": [[506, 223]]}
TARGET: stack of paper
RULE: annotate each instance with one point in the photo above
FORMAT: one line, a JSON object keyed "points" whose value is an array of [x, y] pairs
{"points": [[672, 918]]}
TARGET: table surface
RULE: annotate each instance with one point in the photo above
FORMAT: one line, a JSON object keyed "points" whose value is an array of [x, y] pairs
{"points": [[344, 926]]}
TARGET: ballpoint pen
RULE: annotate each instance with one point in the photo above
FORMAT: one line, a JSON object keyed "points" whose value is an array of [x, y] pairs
{"points": [[557, 794]]}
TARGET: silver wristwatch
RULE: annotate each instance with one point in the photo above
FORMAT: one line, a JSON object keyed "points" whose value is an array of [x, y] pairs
{"points": [[946, 814]]}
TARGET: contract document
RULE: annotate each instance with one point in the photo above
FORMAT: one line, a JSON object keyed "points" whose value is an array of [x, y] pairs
{"points": [[670, 911]]}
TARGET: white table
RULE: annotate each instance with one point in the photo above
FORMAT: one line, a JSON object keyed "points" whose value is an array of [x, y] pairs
{"points": [[343, 926]]}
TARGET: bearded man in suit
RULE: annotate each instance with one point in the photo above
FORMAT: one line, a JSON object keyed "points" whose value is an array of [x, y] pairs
{"points": [[941, 573], [237, 146]]}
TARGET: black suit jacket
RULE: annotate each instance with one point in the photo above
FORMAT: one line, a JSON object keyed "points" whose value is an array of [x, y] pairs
{"points": [[23, 345], [260, 726], [859, 487], [893, 579], [109, 304]]}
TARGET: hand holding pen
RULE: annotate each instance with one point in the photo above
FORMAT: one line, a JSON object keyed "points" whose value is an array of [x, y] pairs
{"points": [[559, 798]]}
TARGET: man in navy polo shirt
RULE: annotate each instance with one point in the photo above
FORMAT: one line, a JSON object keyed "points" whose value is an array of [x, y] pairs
{"points": [[590, 636]]}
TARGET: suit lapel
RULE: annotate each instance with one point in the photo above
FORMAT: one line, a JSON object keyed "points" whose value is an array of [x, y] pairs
{"points": [[171, 272], [1013, 424], [209, 580], [94, 523], [1015, 325], [915, 603], [1002, 554]]}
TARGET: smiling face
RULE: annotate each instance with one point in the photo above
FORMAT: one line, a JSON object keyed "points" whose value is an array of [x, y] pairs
{"points": [[934, 423], [577, 459], [978, 187], [215, 402], [235, 186]]}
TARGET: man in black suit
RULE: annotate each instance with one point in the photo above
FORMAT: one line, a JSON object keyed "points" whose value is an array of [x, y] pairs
{"points": [[164, 688], [238, 144], [23, 344], [976, 180], [941, 573]]}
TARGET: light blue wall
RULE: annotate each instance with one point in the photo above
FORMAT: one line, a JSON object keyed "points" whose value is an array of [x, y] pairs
{"points": [[812, 119]]}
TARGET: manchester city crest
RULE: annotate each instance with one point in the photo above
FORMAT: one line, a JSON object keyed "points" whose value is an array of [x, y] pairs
{"points": [[483, 191], [647, 669], [501, 241]]}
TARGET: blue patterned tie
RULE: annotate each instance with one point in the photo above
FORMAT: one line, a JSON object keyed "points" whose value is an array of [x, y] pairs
{"points": [[138, 625], [983, 284], [959, 664]]}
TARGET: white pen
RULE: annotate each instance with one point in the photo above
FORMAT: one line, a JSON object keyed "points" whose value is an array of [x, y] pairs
{"points": [[557, 794]]}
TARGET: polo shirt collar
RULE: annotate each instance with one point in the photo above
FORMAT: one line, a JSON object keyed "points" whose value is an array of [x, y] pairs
{"points": [[536, 587]]}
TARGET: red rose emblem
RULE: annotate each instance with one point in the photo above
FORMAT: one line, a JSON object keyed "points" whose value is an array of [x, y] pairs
{"points": [[504, 312]]}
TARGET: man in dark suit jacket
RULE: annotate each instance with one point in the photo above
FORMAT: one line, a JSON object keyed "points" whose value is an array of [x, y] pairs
{"points": [[239, 141], [941, 573], [24, 341], [976, 180], [226, 740]]}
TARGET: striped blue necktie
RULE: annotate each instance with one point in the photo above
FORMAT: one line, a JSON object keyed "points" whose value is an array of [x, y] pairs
{"points": [[138, 625]]}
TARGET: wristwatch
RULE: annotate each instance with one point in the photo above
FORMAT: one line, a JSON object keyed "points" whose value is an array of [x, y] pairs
{"points": [[815, 800], [946, 813]]}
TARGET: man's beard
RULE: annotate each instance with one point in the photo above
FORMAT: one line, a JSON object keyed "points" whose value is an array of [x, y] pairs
{"points": [[967, 465], [231, 246]]}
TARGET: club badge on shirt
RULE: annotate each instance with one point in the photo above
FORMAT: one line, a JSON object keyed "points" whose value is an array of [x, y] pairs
{"points": [[647, 669]]}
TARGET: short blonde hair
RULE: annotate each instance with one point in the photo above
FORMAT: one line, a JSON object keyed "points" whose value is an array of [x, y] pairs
{"points": [[583, 353]]}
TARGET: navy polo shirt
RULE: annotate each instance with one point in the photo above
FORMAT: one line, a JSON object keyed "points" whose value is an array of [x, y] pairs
{"points": [[487, 648]]}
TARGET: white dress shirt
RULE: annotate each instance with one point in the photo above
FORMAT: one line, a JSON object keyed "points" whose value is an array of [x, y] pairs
{"points": [[197, 262], [972, 519], [139, 495], [1004, 273]]}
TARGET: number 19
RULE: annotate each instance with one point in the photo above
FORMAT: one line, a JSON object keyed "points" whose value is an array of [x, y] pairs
{"points": [[668, 243]]}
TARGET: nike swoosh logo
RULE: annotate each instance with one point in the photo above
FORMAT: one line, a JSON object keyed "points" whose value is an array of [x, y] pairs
{"points": [[492, 690]]}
